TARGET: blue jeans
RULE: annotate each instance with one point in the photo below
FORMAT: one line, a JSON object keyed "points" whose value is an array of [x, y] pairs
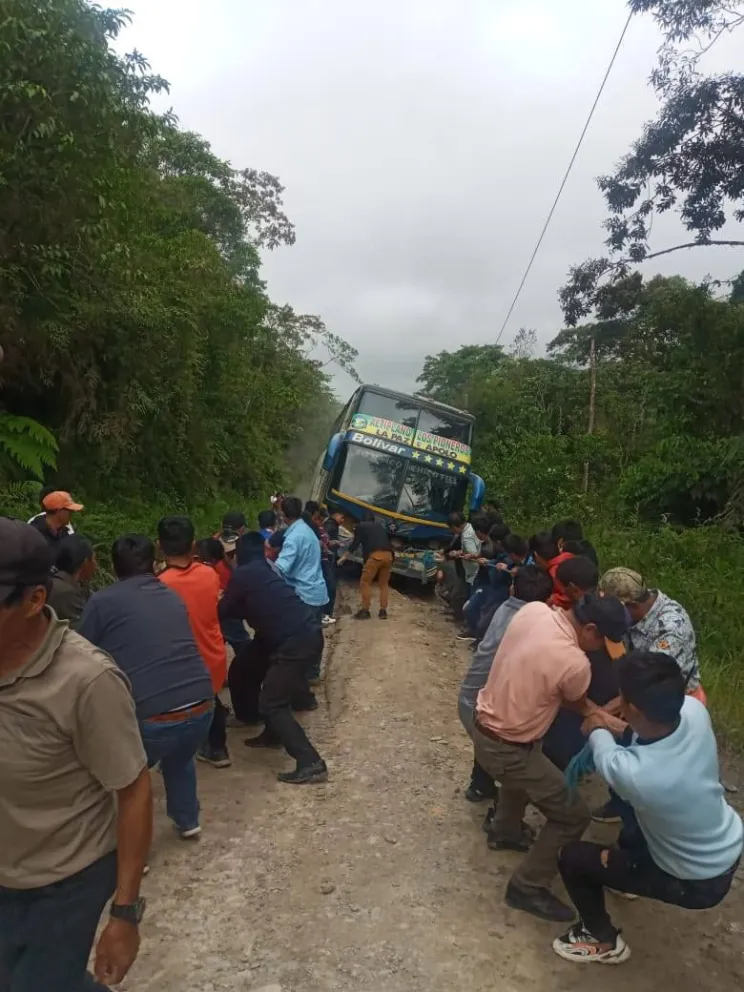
{"points": [[313, 671], [174, 744], [471, 611], [46, 934], [329, 574]]}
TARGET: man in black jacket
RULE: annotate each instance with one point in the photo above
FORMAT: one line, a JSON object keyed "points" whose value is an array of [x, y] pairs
{"points": [[286, 640]]}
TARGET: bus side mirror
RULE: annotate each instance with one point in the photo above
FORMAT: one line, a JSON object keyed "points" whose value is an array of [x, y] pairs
{"points": [[334, 446], [479, 491]]}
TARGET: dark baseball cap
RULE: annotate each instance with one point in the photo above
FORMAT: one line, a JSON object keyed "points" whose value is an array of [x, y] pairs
{"points": [[25, 556], [610, 618]]}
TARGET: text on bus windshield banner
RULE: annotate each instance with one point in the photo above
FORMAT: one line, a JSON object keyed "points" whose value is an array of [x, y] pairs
{"points": [[406, 451], [421, 440]]}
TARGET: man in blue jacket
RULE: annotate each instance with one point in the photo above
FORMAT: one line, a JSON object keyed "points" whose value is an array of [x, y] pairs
{"points": [[287, 639]]}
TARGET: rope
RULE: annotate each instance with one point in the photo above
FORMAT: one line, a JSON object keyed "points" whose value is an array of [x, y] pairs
{"points": [[579, 767]]}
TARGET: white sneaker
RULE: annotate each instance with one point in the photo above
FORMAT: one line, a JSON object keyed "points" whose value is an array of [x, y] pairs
{"points": [[190, 834], [630, 896], [578, 945], [327, 621]]}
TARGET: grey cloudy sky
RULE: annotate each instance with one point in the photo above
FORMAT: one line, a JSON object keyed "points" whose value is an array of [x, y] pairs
{"points": [[421, 143]]}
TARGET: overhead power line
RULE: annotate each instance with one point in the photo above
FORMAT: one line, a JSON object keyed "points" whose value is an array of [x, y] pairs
{"points": [[565, 178]]}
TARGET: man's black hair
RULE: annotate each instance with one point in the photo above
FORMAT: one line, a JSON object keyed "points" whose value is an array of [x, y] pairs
{"points": [[582, 548], [533, 585], [15, 596], [580, 572], [176, 535], [568, 530], [513, 544], [277, 539], [653, 683], [292, 507], [210, 550], [499, 532], [312, 506], [133, 554], [455, 519], [480, 523], [250, 546], [266, 519], [233, 521], [46, 491], [72, 554], [545, 545]]}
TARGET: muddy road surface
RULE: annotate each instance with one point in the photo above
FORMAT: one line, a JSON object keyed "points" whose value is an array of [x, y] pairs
{"points": [[380, 881]]}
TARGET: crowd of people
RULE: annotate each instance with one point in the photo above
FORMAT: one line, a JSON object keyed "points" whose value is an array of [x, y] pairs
{"points": [[99, 687], [575, 671], [572, 671]]}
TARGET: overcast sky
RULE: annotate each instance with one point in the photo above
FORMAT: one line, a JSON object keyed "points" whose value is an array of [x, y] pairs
{"points": [[421, 143]]}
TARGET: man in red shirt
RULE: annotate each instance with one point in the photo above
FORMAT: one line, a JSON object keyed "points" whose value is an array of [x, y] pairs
{"points": [[549, 556], [198, 585]]}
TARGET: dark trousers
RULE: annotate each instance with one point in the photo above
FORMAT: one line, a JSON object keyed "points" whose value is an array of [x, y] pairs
{"points": [[329, 574], [246, 677], [629, 870], [46, 934], [217, 739], [482, 781], [285, 677]]}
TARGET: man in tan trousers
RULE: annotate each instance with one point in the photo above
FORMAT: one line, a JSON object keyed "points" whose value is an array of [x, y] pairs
{"points": [[377, 553]]}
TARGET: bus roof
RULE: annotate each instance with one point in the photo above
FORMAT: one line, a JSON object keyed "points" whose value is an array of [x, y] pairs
{"points": [[423, 401]]}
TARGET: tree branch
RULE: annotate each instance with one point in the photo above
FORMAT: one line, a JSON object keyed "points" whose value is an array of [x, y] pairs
{"points": [[693, 244]]}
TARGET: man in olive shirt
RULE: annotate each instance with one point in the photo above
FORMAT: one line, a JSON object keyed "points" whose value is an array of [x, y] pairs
{"points": [[75, 799]]}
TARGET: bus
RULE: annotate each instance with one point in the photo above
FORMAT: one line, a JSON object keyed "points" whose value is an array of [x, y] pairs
{"points": [[407, 460]]}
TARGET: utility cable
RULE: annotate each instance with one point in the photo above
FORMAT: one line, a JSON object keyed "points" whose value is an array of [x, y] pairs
{"points": [[565, 178]]}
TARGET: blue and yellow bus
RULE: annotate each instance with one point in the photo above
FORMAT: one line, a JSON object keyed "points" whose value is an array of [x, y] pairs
{"points": [[407, 460]]}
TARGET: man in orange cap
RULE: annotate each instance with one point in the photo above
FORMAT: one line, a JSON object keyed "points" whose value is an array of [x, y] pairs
{"points": [[58, 509]]}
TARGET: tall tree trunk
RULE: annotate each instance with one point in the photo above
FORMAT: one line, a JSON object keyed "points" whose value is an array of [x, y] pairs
{"points": [[592, 401]]}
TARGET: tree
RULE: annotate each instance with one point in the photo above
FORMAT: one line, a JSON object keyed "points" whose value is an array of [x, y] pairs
{"points": [[690, 159], [448, 376], [133, 319]]}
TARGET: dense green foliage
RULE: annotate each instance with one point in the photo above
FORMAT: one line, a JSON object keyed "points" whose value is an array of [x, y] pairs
{"points": [[133, 322]]}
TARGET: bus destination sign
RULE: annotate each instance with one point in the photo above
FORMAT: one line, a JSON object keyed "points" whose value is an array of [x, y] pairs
{"points": [[391, 431]]}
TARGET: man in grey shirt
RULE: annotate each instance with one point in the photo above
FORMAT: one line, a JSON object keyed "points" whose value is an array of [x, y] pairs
{"points": [[531, 585]]}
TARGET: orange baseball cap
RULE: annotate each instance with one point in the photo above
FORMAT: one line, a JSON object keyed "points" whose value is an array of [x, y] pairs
{"points": [[61, 501]]}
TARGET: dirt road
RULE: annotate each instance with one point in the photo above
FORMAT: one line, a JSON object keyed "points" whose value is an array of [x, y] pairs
{"points": [[380, 881]]}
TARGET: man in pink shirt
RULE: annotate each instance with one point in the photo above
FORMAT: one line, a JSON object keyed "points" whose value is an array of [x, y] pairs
{"points": [[540, 666]]}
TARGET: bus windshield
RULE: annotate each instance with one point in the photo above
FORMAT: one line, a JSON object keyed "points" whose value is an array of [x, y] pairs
{"points": [[397, 484], [427, 493], [441, 425], [371, 476], [387, 408]]}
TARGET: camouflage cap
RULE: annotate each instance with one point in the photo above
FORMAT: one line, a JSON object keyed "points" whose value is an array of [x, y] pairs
{"points": [[623, 583]]}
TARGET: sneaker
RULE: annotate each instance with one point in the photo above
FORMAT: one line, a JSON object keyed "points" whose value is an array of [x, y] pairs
{"points": [[146, 870], [327, 621], [630, 896], [264, 739], [362, 615], [525, 842], [317, 772], [578, 945], [607, 814], [382, 615], [190, 833], [540, 903], [214, 757], [465, 636]]}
